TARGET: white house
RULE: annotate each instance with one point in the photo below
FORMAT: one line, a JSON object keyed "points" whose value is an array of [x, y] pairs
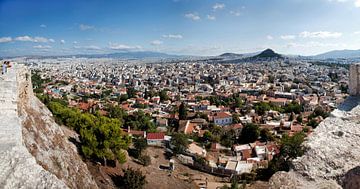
{"points": [[222, 118]]}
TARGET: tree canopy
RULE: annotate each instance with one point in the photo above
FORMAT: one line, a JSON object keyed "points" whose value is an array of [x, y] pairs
{"points": [[101, 137], [180, 142], [182, 111], [250, 133]]}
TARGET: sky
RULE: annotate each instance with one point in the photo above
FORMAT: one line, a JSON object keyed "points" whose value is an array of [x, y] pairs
{"points": [[182, 27]]}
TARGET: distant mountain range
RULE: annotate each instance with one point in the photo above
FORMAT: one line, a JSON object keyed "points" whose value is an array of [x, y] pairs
{"points": [[129, 55], [338, 54], [267, 54], [264, 55], [228, 57], [123, 55]]}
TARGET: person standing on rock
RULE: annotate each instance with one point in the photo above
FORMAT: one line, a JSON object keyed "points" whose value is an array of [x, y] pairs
{"points": [[4, 67]]}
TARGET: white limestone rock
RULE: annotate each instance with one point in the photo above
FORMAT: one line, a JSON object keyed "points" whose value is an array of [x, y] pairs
{"points": [[333, 153]]}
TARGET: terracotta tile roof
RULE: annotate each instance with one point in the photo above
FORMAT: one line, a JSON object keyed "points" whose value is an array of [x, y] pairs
{"points": [[155, 136], [221, 115], [246, 154]]}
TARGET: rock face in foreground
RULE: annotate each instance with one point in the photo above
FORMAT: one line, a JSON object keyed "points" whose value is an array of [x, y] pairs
{"points": [[332, 158], [34, 152], [18, 168]]}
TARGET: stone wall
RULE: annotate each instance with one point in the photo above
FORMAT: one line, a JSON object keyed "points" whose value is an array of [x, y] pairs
{"points": [[354, 80]]}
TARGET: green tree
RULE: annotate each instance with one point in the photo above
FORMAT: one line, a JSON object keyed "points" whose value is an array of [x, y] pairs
{"points": [[228, 138], [265, 135], [313, 123], [140, 144], [163, 95], [131, 92], [299, 119], [250, 133], [293, 107], [132, 179], [116, 112], [104, 141], [235, 118], [140, 121], [262, 107], [180, 142], [290, 148], [182, 111]]}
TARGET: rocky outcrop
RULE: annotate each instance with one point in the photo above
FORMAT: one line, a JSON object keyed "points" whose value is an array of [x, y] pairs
{"points": [[18, 168], [34, 151], [332, 157]]}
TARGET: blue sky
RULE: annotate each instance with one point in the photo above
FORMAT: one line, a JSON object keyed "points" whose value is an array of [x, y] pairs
{"points": [[191, 27]]}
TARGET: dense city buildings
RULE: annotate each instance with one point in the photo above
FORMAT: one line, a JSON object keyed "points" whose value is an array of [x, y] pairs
{"points": [[233, 115]]}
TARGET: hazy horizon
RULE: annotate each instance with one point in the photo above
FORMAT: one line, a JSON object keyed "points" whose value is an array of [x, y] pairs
{"points": [[179, 27]]}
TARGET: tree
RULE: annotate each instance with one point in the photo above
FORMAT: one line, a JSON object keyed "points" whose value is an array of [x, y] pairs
{"points": [[140, 121], [319, 111], [292, 117], [132, 179], [116, 112], [293, 107], [163, 95], [235, 118], [313, 123], [140, 144], [228, 138], [299, 119], [290, 148], [182, 111], [265, 135], [250, 133], [207, 136], [262, 107], [123, 98], [104, 140], [131, 92], [180, 142]]}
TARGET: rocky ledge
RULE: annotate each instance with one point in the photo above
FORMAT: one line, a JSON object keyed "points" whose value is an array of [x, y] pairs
{"points": [[332, 157], [34, 152]]}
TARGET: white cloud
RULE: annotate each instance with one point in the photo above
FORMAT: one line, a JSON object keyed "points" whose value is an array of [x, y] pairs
{"points": [[356, 32], [5, 39], [42, 47], [123, 47], [43, 26], [156, 42], [34, 39], [89, 47], [315, 44], [235, 13], [218, 6], [269, 37], [75, 42], [62, 41], [210, 17], [320, 34], [357, 3], [84, 27], [192, 16], [173, 36], [287, 37]]}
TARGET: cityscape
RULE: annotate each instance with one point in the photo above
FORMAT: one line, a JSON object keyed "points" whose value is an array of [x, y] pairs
{"points": [[139, 97]]}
